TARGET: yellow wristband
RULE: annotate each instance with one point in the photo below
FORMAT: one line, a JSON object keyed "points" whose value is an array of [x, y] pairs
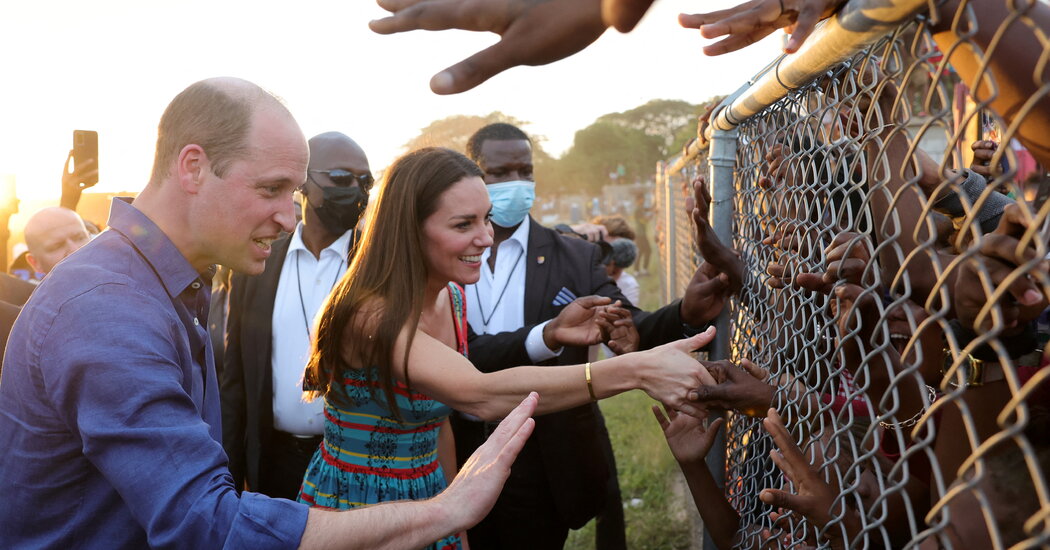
{"points": [[590, 387]]}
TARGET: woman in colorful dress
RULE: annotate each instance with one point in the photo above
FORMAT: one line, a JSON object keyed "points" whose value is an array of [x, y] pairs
{"points": [[389, 355]]}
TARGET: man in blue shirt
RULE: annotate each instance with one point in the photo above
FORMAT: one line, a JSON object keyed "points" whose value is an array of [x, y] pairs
{"points": [[109, 408]]}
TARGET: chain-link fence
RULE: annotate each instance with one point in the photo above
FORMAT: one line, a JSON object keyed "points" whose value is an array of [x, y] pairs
{"points": [[887, 201]]}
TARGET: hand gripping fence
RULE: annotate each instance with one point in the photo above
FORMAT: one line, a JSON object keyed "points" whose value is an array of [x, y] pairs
{"points": [[895, 277]]}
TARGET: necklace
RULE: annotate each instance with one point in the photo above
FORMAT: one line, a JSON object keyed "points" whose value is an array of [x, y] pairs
{"points": [[299, 287], [485, 320]]}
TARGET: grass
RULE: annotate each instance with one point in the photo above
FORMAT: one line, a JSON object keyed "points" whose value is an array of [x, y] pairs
{"points": [[659, 519]]}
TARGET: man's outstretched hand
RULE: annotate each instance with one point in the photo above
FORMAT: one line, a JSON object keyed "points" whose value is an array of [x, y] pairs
{"points": [[537, 32], [534, 32], [473, 492]]}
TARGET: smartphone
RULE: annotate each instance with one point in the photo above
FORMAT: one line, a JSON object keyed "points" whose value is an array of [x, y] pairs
{"points": [[85, 147]]}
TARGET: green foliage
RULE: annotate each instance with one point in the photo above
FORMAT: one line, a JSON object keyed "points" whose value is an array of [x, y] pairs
{"points": [[673, 121], [627, 144], [454, 132], [602, 149]]}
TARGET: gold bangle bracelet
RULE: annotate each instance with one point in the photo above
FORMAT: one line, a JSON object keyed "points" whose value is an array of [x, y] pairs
{"points": [[590, 387]]}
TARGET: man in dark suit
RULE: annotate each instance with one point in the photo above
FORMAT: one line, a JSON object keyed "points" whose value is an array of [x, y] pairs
{"points": [[268, 432], [13, 295], [529, 274]]}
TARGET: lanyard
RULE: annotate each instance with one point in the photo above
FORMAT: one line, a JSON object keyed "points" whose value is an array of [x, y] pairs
{"points": [[299, 286], [481, 308]]}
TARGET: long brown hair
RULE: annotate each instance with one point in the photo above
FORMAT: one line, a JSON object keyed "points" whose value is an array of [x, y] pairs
{"points": [[388, 275]]}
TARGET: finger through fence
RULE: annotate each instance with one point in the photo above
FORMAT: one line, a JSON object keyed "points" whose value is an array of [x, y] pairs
{"points": [[892, 220]]}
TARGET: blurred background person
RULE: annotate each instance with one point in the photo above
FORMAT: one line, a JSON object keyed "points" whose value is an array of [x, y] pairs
{"points": [[624, 252], [51, 235]]}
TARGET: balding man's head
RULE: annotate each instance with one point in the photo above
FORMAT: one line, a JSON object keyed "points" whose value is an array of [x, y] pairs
{"points": [[52, 234], [215, 114]]}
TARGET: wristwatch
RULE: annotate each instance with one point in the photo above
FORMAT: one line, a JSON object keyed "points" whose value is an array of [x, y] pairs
{"points": [[975, 372]]}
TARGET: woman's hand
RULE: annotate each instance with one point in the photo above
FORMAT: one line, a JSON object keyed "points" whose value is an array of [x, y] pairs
{"points": [[671, 375]]}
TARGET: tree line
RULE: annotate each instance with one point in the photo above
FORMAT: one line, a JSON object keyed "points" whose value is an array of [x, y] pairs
{"points": [[619, 147]]}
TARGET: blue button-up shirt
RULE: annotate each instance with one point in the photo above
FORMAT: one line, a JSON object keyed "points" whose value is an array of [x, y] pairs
{"points": [[109, 409]]}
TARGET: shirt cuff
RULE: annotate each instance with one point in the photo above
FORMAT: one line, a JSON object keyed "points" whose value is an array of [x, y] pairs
{"points": [[537, 348], [265, 523]]}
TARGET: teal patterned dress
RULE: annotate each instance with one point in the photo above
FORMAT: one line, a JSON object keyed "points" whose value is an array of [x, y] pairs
{"points": [[368, 456]]}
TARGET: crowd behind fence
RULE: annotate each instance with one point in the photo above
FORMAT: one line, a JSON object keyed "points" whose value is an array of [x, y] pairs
{"points": [[894, 286]]}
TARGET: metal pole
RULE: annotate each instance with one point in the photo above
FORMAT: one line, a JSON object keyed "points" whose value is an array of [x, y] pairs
{"points": [[670, 235], [722, 162]]}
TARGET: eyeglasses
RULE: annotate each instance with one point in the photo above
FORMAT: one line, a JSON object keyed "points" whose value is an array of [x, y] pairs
{"points": [[346, 178]]}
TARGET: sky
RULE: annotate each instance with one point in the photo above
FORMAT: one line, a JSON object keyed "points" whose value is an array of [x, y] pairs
{"points": [[113, 65]]}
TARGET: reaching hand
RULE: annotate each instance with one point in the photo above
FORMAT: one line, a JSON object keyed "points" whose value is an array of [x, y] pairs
{"points": [[752, 21], [618, 328], [983, 151], [686, 435], [721, 273], [705, 296], [576, 325], [776, 168], [671, 375], [533, 32], [473, 492], [742, 388], [814, 497], [724, 258], [848, 258], [1001, 253]]}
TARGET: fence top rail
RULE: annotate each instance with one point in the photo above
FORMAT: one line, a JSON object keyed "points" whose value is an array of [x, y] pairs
{"points": [[856, 26]]}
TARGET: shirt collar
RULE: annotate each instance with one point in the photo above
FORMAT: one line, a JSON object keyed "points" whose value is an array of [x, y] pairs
{"points": [[172, 268], [521, 234], [340, 246]]}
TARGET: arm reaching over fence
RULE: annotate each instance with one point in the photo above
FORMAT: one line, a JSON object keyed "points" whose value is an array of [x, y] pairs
{"points": [[532, 32], [1011, 72], [752, 21]]}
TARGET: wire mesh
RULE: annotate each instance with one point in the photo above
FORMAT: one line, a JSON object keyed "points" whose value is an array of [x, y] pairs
{"points": [[895, 296]]}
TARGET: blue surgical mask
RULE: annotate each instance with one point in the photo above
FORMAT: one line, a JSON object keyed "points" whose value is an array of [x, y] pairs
{"points": [[511, 201]]}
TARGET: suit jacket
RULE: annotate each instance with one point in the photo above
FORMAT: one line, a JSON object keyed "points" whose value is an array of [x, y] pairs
{"points": [[567, 443], [13, 290], [247, 380], [13, 294]]}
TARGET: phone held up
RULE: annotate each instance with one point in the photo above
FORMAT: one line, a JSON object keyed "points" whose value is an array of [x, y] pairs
{"points": [[85, 148]]}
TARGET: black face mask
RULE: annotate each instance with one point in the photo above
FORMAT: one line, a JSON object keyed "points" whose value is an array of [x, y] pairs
{"points": [[341, 208]]}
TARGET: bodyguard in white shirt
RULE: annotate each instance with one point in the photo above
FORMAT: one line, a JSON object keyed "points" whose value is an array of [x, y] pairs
{"points": [[269, 432]]}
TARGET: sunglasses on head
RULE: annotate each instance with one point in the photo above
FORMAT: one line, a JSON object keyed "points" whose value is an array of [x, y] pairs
{"points": [[346, 178]]}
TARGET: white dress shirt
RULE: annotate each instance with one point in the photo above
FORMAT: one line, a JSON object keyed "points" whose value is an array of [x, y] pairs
{"points": [[629, 287], [496, 303], [304, 284]]}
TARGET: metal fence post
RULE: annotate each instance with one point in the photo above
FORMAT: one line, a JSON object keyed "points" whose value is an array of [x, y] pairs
{"points": [[722, 163], [670, 235]]}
